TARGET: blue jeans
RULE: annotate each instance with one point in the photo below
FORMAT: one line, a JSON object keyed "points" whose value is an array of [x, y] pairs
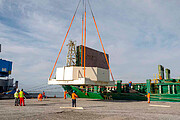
{"points": [[73, 102]]}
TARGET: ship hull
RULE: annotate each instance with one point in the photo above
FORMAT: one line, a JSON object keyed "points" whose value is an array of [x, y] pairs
{"points": [[169, 92], [104, 96]]}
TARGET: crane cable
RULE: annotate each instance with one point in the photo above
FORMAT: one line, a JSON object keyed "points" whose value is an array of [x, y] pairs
{"points": [[64, 40], [101, 40]]}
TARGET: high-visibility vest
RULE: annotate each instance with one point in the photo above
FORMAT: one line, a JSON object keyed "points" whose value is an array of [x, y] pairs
{"points": [[16, 94], [148, 95], [65, 92], [74, 96], [21, 94], [40, 96]]}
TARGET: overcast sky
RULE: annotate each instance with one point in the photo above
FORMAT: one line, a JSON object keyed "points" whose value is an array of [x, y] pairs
{"points": [[137, 34]]}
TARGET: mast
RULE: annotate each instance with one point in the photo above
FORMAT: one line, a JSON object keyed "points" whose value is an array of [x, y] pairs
{"points": [[71, 56]]}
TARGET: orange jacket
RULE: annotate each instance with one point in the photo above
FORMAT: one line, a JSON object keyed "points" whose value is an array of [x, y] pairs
{"points": [[148, 95], [65, 92], [40, 95], [74, 96]]}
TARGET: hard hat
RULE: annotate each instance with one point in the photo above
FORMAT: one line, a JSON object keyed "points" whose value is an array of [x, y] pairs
{"points": [[73, 91], [148, 92], [17, 90]]}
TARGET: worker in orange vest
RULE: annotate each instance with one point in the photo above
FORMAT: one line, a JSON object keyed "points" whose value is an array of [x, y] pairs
{"points": [[65, 92], [40, 97], [148, 97], [74, 99]]}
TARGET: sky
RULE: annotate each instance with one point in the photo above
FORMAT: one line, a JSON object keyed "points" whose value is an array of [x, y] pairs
{"points": [[137, 34]]}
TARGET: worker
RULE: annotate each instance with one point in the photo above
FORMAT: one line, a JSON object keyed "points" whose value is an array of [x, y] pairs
{"points": [[65, 92], [21, 96], [43, 95], [16, 96], [148, 97], [130, 83], [74, 99], [40, 97]]}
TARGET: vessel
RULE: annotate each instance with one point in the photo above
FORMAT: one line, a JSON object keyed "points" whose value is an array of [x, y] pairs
{"points": [[7, 84]]}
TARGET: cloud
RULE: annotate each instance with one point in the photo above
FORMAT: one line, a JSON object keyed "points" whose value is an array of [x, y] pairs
{"points": [[137, 35]]}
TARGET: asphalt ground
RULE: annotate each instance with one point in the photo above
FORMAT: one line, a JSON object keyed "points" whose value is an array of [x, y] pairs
{"points": [[49, 109]]}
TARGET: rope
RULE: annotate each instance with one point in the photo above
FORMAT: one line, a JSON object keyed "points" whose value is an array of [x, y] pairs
{"points": [[64, 40], [37, 86], [100, 40], [49, 89], [41, 87]]}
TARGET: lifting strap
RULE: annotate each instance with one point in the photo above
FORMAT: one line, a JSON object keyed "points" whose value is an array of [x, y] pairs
{"points": [[101, 41], [64, 40], [85, 41], [82, 34], [83, 22]]}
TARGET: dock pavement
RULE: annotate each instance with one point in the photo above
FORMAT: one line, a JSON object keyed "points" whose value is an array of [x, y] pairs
{"points": [[88, 109]]}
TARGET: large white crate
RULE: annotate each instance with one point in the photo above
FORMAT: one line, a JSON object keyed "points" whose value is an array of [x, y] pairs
{"points": [[75, 76]]}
